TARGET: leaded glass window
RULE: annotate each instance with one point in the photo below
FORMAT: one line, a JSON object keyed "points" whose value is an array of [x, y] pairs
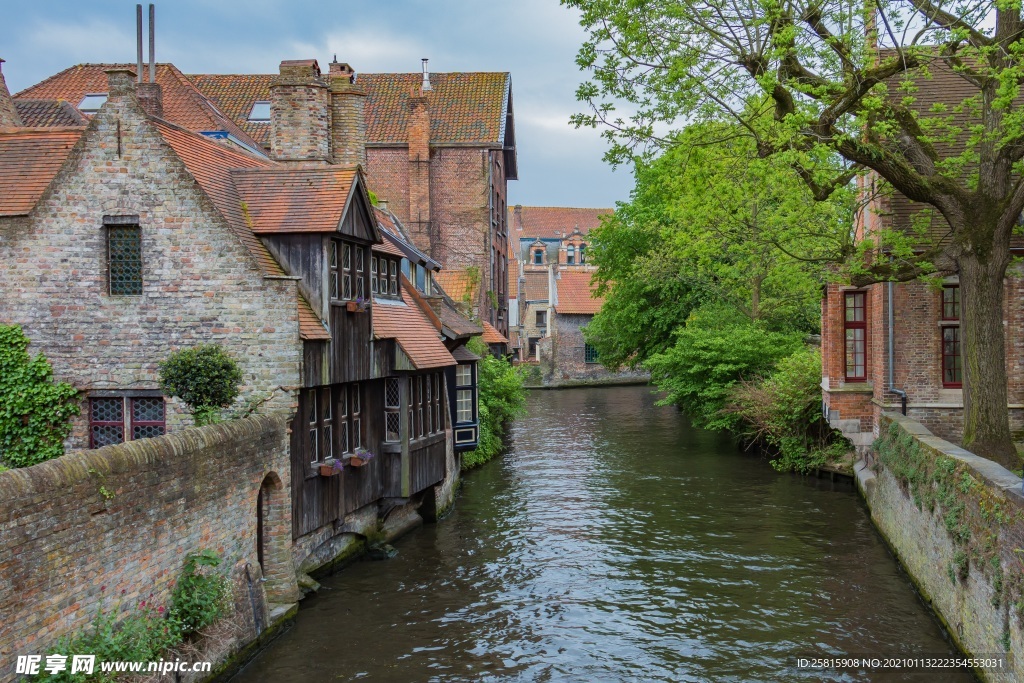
{"points": [[124, 260]]}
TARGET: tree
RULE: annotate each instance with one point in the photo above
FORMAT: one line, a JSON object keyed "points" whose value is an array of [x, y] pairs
{"points": [[814, 66], [711, 225], [205, 377]]}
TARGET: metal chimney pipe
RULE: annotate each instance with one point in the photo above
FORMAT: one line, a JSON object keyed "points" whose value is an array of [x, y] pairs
{"points": [[138, 40], [152, 43], [426, 77]]}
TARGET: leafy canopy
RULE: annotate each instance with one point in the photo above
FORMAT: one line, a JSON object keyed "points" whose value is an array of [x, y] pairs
{"points": [[205, 377]]}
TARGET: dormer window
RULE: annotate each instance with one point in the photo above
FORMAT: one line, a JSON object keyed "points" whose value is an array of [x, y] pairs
{"points": [[260, 112], [538, 257], [582, 258], [570, 255], [91, 104]]}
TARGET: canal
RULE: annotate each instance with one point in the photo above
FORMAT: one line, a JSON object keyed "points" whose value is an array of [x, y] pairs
{"points": [[614, 542]]}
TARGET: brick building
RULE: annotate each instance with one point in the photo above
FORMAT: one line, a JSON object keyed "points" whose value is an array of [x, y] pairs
{"points": [[440, 148], [889, 344], [129, 237]]}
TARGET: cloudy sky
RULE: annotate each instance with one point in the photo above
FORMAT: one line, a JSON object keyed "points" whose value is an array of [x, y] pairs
{"points": [[536, 40]]}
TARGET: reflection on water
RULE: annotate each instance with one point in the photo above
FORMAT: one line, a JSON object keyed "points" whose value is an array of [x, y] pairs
{"points": [[616, 543]]}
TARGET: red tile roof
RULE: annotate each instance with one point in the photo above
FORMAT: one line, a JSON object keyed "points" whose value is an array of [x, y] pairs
{"points": [[491, 335], [211, 165], [49, 113], [552, 221], [280, 199], [413, 332], [535, 285], [574, 293], [29, 160], [183, 103], [460, 285], [464, 107], [310, 326]]}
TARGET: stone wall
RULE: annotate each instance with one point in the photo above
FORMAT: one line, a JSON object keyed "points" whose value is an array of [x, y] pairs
{"points": [[94, 527], [956, 523], [563, 362]]}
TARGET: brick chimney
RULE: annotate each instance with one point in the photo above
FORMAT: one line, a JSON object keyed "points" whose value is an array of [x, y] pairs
{"points": [[418, 132], [151, 97], [348, 118], [8, 114], [299, 114], [517, 217], [120, 84]]}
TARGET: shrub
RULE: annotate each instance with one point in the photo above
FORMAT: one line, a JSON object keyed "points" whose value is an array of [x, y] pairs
{"points": [[783, 411], [205, 377], [35, 411], [502, 398], [711, 354], [200, 594]]}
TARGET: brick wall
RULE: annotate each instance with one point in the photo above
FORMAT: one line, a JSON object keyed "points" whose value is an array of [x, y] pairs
{"points": [[200, 284], [65, 547], [563, 360]]}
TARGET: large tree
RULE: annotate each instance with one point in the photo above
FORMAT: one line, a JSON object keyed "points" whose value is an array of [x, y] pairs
{"points": [[816, 66]]}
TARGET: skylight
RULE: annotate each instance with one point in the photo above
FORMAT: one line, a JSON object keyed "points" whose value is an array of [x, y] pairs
{"points": [[91, 104], [260, 111]]}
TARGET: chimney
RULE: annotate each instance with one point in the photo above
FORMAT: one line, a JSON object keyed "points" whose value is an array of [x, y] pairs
{"points": [[348, 117], [517, 216], [120, 84], [151, 97], [425, 84], [299, 114], [418, 132], [9, 117]]}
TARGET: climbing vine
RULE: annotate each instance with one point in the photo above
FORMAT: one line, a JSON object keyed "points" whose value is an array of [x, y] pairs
{"points": [[35, 411]]}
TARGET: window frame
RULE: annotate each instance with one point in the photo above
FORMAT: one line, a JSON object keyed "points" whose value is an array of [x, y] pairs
{"points": [[128, 423], [949, 326], [855, 325], [112, 224], [590, 355]]}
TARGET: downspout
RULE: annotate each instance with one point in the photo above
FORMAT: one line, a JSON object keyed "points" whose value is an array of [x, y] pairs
{"points": [[892, 382]]}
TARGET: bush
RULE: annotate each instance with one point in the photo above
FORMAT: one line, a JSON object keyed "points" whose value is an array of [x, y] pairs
{"points": [[205, 377], [35, 411], [783, 411], [502, 398], [199, 596], [711, 354]]}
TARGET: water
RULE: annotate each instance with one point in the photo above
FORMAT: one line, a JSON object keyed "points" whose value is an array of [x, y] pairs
{"points": [[616, 543]]}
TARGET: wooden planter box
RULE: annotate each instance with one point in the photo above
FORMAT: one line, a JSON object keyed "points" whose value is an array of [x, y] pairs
{"points": [[356, 461], [353, 307], [328, 471]]}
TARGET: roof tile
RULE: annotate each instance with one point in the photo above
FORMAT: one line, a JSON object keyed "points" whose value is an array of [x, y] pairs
{"points": [[29, 160], [492, 336], [409, 326], [278, 199], [49, 113], [553, 221], [575, 293]]}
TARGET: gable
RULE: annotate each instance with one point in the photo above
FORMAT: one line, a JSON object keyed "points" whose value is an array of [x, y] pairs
{"points": [[357, 220]]}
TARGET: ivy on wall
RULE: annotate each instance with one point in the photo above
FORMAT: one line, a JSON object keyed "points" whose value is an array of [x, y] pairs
{"points": [[35, 411]]}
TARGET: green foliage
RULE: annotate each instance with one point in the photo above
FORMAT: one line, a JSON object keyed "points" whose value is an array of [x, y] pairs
{"points": [[35, 411], [205, 377], [783, 411], [715, 351], [200, 594], [502, 398]]}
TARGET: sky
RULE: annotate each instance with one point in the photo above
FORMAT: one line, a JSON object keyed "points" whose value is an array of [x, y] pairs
{"points": [[535, 40]]}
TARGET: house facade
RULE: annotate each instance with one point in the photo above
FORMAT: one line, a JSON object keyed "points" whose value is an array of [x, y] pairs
{"points": [[130, 237]]}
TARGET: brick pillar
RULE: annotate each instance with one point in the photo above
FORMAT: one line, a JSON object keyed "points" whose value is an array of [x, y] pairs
{"points": [[348, 119], [8, 114], [151, 97], [299, 114], [419, 172]]}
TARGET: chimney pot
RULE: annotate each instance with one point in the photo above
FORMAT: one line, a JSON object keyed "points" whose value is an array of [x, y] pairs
{"points": [[151, 97], [425, 85]]}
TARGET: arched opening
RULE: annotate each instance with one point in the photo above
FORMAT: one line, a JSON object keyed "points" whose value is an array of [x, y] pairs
{"points": [[273, 539]]}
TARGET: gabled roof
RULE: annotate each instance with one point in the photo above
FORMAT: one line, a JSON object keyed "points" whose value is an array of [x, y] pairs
{"points": [[412, 331], [552, 221], [459, 325], [464, 107], [460, 285], [492, 336], [574, 293], [49, 113], [535, 285], [281, 199], [183, 103], [30, 158]]}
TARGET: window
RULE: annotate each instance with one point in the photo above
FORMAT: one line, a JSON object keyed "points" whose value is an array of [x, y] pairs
{"points": [[394, 278], [570, 255], [107, 423], [952, 363], [373, 274], [538, 257], [360, 287], [582, 257], [464, 393], [392, 403], [344, 445], [542, 318], [355, 403], [855, 331], [260, 112], [91, 104], [346, 270], [589, 354], [124, 259], [428, 283], [312, 418], [333, 266]]}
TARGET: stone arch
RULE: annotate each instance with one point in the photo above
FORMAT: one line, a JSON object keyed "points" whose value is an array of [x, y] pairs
{"points": [[273, 540]]}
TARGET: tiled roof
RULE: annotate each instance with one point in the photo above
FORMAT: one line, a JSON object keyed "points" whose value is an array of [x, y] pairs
{"points": [[459, 324], [513, 279], [183, 103], [211, 165], [29, 160], [492, 336], [413, 332], [535, 287], [464, 107], [463, 355], [460, 285], [574, 293], [278, 199], [390, 231], [49, 113], [310, 326], [552, 221]]}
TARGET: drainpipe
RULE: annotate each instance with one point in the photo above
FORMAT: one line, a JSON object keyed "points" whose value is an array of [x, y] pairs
{"points": [[892, 383]]}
